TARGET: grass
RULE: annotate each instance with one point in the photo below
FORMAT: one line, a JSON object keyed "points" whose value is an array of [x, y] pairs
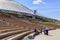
{"points": [[51, 23]]}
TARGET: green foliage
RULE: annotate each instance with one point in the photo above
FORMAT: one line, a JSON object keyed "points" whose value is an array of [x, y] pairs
{"points": [[36, 17], [41, 19], [45, 20], [28, 16], [49, 23], [52, 23], [8, 13]]}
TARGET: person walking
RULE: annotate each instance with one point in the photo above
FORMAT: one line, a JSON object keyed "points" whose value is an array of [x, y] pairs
{"points": [[46, 30]]}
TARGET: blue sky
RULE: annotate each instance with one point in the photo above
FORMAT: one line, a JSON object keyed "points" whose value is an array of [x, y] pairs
{"points": [[47, 8]]}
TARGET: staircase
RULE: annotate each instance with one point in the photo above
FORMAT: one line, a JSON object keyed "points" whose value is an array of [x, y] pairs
{"points": [[12, 29]]}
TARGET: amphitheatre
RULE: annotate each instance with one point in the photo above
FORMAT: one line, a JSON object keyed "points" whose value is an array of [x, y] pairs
{"points": [[17, 22]]}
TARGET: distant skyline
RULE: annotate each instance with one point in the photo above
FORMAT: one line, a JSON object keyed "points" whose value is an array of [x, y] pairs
{"points": [[47, 8]]}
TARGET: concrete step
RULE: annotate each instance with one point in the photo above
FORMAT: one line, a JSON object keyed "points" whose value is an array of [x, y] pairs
{"points": [[20, 36], [3, 35], [7, 30]]}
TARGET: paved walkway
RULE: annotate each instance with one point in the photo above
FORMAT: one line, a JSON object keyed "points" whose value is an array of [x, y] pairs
{"points": [[53, 35]]}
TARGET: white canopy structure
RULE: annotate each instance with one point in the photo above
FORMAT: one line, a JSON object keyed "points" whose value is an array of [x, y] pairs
{"points": [[14, 6]]}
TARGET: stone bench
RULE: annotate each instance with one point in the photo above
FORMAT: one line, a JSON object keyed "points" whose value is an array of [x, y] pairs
{"points": [[3, 35], [20, 36]]}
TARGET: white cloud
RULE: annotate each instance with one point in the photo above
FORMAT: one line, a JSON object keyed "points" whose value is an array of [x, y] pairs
{"points": [[38, 2]]}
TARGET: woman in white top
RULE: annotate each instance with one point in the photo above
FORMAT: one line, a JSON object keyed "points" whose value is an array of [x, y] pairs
{"points": [[46, 30]]}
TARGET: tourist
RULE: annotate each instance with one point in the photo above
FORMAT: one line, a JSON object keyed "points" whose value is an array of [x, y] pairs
{"points": [[36, 32], [46, 30], [41, 31]]}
